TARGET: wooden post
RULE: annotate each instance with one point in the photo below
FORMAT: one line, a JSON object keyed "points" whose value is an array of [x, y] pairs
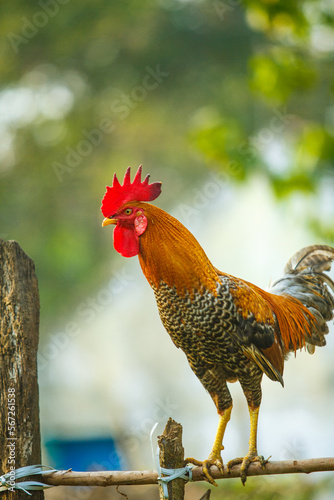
{"points": [[19, 324], [172, 457]]}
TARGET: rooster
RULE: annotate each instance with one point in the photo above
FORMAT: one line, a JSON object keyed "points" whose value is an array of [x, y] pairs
{"points": [[228, 328]]}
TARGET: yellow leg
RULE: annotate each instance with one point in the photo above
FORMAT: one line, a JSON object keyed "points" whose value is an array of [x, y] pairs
{"points": [[215, 456], [218, 442], [254, 416], [252, 455]]}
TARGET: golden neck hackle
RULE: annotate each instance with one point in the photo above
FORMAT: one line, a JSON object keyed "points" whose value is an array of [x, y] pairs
{"points": [[170, 254]]}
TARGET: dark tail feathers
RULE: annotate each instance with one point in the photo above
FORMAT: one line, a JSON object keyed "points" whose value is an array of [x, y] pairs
{"points": [[305, 280]]}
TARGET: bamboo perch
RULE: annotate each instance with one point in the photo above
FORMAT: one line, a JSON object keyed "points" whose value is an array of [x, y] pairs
{"points": [[112, 478]]}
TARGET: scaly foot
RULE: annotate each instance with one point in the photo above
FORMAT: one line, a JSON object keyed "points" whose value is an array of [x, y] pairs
{"points": [[245, 462], [206, 464]]}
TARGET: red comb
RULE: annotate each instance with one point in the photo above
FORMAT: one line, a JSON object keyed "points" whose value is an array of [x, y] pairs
{"points": [[117, 195]]}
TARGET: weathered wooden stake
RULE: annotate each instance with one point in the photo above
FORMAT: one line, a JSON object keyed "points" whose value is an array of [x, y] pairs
{"points": [[172, 457], [19, 324], [206, 495]]}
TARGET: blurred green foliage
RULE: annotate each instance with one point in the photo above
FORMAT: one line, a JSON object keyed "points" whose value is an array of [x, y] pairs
{"points": [[278, 73], [182, 87]]}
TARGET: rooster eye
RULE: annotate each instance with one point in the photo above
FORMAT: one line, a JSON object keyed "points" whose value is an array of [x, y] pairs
{"points": [[128, 211]]}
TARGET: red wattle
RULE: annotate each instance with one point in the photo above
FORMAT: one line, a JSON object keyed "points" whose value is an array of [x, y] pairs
{"points": [[126, 241]]}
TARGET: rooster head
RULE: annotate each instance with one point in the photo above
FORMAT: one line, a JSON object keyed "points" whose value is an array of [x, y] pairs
{"points": [[120, 207]]}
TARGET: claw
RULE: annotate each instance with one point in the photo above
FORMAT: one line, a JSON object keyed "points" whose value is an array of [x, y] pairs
{"points": [[206, 464], [245, 463]]}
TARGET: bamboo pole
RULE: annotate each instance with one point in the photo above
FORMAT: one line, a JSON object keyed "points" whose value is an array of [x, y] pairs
{"points": [[112, 478], [19, 323]]}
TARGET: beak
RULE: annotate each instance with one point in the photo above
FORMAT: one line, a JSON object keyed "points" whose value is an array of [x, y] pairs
{"points": [[108, 221]]}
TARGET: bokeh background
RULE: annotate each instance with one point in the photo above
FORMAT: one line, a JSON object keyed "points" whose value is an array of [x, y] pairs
{"points": [[230, 104]]}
